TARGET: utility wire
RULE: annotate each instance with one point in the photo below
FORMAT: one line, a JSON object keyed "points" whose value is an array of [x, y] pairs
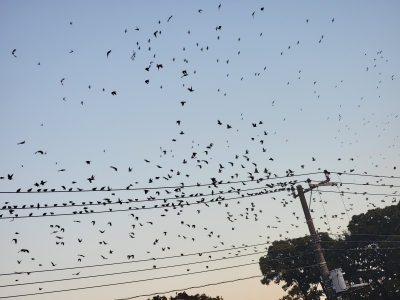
{"points": [[178, 275], [152, 269], [344, 241], [193, 287], [366, 175], [136, 208], [216, 283], [141, 280], [155, 259], [104, 189], [363, 193], [323, 206], [185, 264], [130, 201], [371, 184], [188, 186], [184, 204], [361, 249], [367, 234], [345, 208]]}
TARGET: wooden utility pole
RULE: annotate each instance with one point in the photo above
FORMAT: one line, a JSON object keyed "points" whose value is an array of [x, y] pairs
{"points": [[326, 281]]}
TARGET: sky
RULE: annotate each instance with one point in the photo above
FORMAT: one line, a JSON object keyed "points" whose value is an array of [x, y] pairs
{"points": [[228, 91]]}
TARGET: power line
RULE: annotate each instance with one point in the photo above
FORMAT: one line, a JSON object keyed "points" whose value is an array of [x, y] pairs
{"points": [[343, 241], [183, 204], [323, 206], [363, 193], [191, 263], [366, 175], [130, 201], [104, 189], [341, 196], [216, 283], [193, 287], [154, 259], [218, 199], [140, 280], [367, 234], [178, 275], [361, 249], [371, 184], [152, 269]]}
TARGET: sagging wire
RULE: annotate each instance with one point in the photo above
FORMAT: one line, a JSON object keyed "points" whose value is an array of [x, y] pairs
{"points": [[340, 192], [323, 206]]}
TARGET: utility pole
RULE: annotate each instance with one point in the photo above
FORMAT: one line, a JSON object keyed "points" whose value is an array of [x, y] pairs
{"points": [[333, 282], [319, 256]]}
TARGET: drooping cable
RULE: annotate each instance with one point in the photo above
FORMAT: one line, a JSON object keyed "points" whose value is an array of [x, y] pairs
{"points": [[323, 206]]}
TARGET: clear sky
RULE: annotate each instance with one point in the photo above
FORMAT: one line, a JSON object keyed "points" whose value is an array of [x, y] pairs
{"points": [[201, 92]]}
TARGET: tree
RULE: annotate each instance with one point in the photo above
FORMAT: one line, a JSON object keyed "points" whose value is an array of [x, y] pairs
{"points": [[184, 296], [288, 261], [357, 253]]}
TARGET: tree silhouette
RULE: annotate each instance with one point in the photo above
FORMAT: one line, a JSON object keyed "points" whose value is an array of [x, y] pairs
{"points": [[357, 252], [184, 296]]}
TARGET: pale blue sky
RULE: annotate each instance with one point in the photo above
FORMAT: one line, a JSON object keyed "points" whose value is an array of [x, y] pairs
{"points": [[333, 94]]}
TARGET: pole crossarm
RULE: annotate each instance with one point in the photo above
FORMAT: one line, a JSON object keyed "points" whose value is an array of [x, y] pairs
{"points": [[312, 186]]}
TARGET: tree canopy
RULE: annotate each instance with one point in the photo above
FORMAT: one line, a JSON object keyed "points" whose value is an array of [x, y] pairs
{"points": [[368, 252], [184, 296]]}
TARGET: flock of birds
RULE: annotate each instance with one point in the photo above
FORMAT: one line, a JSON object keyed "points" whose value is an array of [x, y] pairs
{"points": [[235, 185]]}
